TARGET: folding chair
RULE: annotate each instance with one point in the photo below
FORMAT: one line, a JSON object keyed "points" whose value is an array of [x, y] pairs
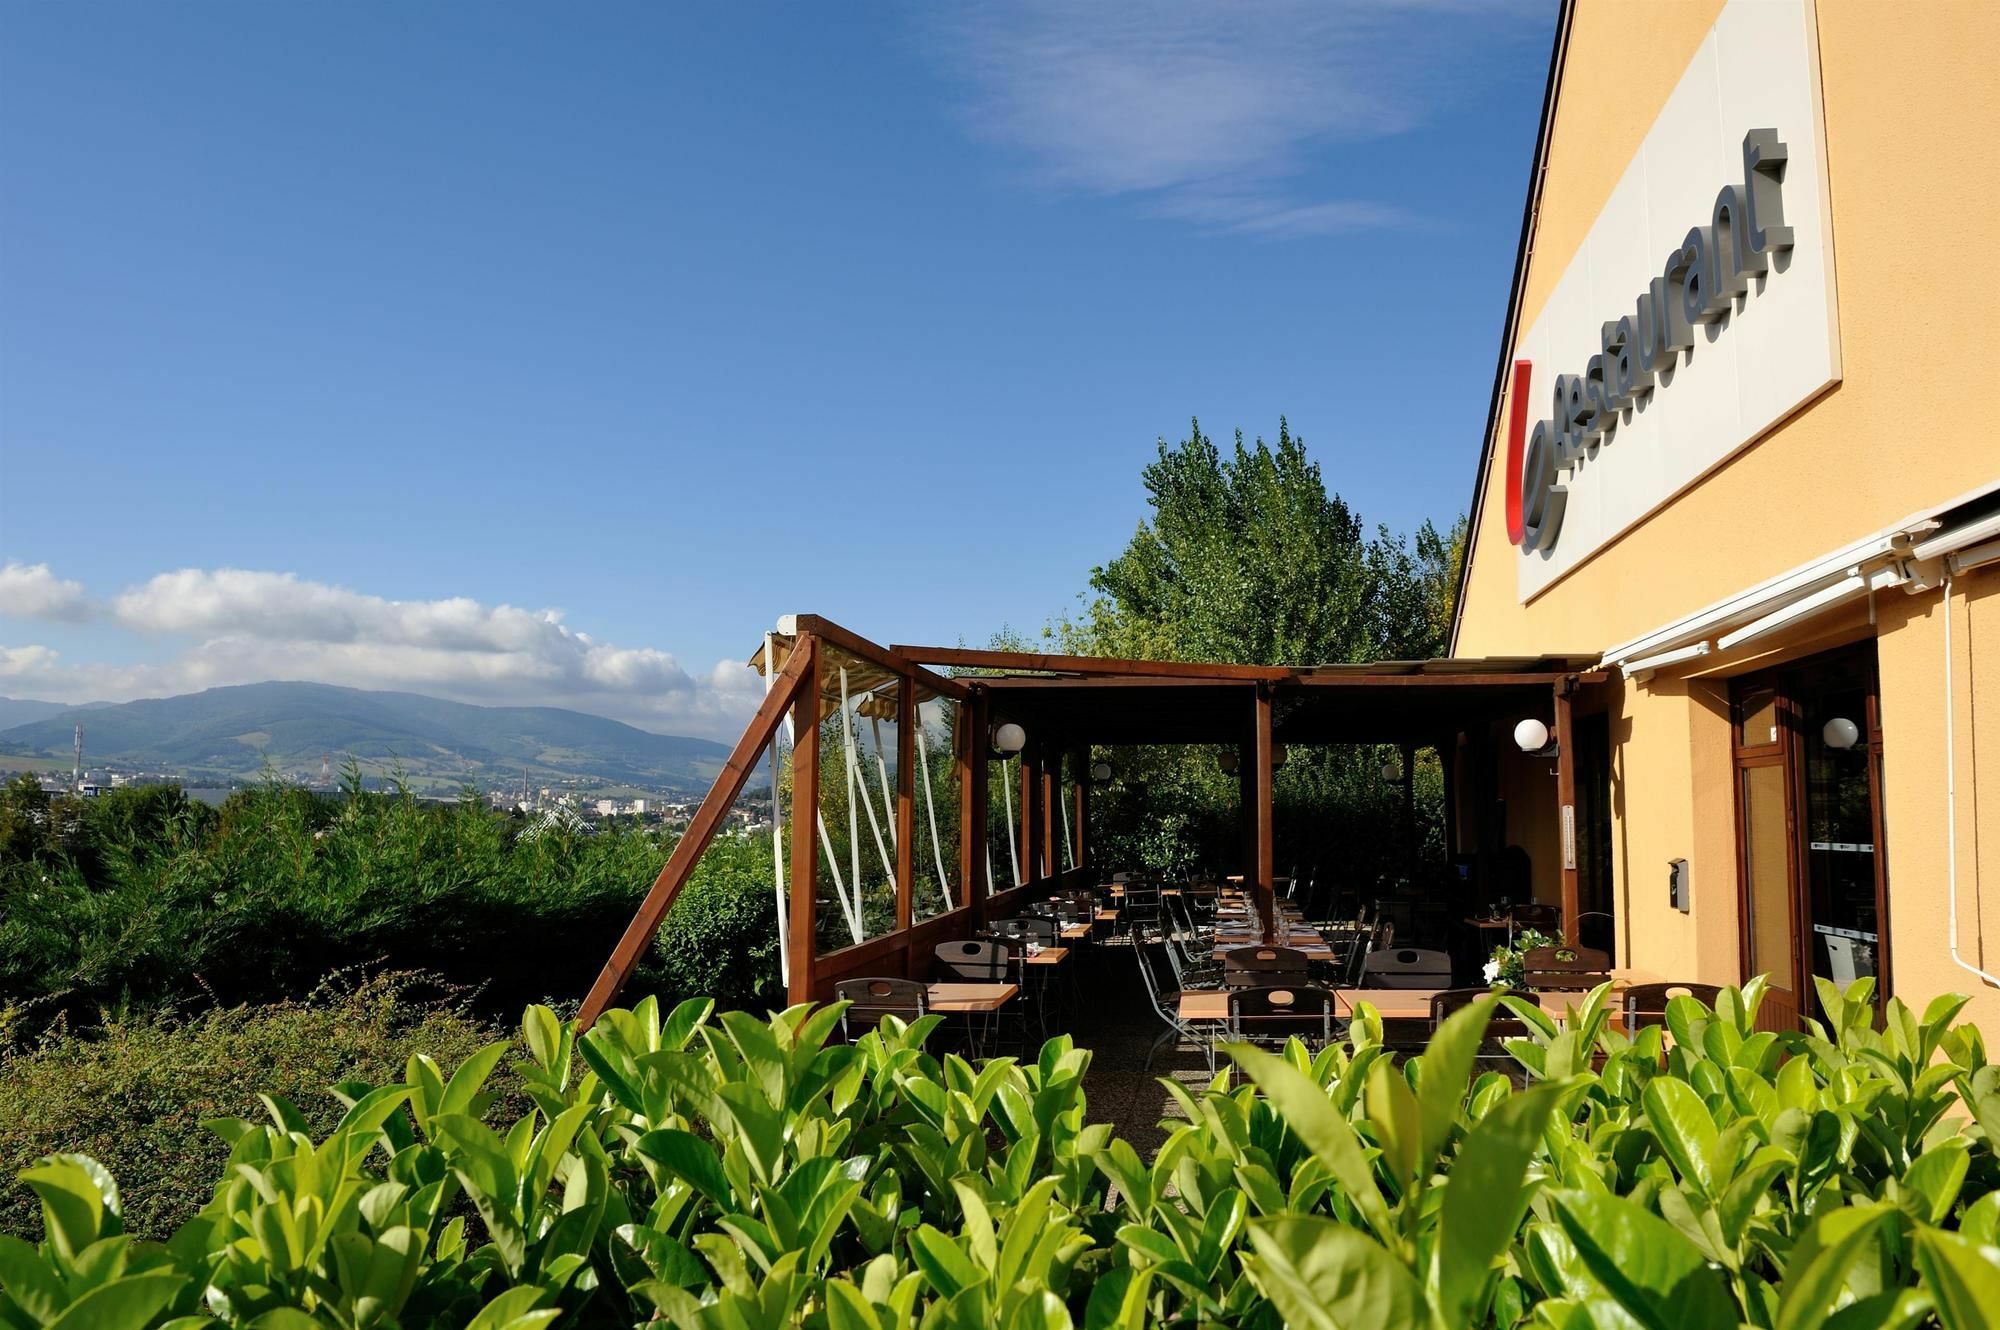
{"points": [[872, 999], [1274, 1013]]}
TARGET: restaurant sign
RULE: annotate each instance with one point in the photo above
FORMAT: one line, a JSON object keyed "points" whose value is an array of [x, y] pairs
{"points": [[1678, 345]]}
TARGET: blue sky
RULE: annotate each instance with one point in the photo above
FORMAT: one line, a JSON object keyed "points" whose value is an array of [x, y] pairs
{"points": [[539, 354]]}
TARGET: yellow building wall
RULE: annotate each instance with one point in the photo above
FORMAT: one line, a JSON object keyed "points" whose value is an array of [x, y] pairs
{"points": [[1911, 655], [1912, 127]]}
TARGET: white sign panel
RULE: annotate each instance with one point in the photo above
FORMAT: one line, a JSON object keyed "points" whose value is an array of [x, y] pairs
{"points": [[1699, 310]]}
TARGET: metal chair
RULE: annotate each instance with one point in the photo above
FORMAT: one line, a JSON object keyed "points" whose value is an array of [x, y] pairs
{"points": [[1406, 967], [869, 1000], [1166, 1005], [1563, 969], [1273, 1013], [1258, 966], [1646, 1004]]}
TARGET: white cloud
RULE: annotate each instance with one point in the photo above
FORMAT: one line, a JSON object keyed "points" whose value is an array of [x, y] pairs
{"points": [[1209, 110], [31, 591], [251, 625]]}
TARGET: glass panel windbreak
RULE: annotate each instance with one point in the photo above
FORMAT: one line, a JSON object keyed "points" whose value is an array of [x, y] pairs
{"points": [[935, 858], [1003, 824], [857, 807], [1768, 885]]}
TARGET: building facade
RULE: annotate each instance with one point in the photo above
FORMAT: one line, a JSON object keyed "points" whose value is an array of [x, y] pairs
{"points": [[1738, 451]]}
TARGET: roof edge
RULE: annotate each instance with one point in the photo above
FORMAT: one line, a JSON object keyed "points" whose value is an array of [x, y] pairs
{"points": [[1524, 251]]}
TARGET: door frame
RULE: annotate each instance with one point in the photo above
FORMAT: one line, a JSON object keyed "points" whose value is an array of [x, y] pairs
{"points": [[1788, 683]]}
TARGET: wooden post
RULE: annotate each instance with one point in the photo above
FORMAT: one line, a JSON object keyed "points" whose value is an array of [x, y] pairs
{"points": [[974, 832], [1080, 797], [1051, 815], [804, 922], [906, 802], [1448, 756], [1266, 855], [1025, 832], [1566, 803]]}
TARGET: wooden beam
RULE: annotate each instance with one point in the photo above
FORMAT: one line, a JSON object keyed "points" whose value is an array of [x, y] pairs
{"points": [[1346, 679], [701, 829], [1032, 682], [887, 658], [906, 802], [1566, 809], [976, 658], [803, 915], [1266, 870]]}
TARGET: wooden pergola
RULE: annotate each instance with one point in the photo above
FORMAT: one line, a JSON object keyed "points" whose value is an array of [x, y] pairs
{"points": [[1066, 704]]}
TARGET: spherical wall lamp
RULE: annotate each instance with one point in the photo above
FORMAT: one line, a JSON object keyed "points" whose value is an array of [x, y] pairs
{"points": [[1009, 739], [1392, 772], [1531, 736], [1840, 732], [1100, 773], [1226, 760]]}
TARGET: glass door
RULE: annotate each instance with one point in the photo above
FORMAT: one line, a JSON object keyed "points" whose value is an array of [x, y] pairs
{"points": [[1808, 750], [1843, 874]]}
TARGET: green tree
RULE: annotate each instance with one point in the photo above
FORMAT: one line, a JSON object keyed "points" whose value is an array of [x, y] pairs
{"points": [[1248, 556]]}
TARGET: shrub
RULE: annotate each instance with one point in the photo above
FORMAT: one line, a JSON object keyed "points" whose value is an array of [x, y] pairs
{"points": [[135, 1096], [713, 1172], [143, 899]]}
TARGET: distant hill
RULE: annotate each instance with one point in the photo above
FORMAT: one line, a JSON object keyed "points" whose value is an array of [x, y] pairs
{"points": [[21, 710], [291, 725]]}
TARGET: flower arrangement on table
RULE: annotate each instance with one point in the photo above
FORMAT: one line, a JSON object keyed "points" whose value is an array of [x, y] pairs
{"points": [[1504, 969]]}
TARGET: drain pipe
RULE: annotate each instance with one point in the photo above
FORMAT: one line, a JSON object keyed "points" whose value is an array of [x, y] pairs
{"points": [[1951, 799]]}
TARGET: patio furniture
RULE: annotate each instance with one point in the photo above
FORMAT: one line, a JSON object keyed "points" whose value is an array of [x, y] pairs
{"points": [[1256, 966], [978, 961], [1501, 1025], [869, 1000], [1406, 967], [1189, 968], [1565, 969], [1166, 1006], [1042, 931], [1646, 1004], [1274, 1013]]}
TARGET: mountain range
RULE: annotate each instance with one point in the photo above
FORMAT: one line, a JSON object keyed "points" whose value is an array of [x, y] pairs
{"points": [[239, 731]]}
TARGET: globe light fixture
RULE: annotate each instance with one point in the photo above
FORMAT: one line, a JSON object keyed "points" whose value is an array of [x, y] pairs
{"points": [[1226, 760], [1100, 772], [1840, 732], [1392, 772], [1009, 739], [1278, 756], [1531, 736]]}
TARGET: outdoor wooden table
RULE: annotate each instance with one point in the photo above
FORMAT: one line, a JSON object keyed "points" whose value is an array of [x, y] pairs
{"points": [[1075, 932], [1107, 915], [959, 997], [1047, 956]]}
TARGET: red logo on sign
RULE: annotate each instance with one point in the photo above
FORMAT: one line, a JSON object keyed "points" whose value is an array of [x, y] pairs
{"points": [[1517, 441]]}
